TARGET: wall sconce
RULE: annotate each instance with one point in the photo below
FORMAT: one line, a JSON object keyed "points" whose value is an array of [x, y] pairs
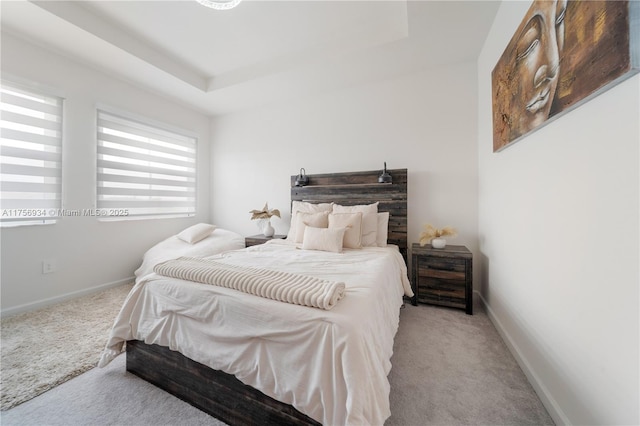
{"points": [[302, 179], [385, 177]]}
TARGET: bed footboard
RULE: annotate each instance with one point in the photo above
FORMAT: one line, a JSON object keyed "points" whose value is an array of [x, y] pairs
{"points": [[214, 392]]}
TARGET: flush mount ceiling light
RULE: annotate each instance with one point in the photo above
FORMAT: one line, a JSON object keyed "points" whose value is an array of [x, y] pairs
{"points": [[219, 4]]}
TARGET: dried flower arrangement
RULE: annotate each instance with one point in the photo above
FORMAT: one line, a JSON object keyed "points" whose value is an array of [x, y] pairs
{"points": [[431, 232], [265, 213]]}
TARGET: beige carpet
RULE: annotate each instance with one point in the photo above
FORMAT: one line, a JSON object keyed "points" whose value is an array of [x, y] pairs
{"points": [[34, 357], [450, 368]]}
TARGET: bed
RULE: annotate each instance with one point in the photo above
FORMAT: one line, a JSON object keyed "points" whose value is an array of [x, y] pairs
{"points": [[253, 360]]}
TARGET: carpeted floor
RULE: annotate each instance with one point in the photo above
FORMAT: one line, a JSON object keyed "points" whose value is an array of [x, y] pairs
{"points": [[448, 369], [46, 347], [106, 396]]}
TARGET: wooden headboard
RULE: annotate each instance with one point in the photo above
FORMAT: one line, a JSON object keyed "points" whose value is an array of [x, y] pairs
{"points": [[353, 188]]}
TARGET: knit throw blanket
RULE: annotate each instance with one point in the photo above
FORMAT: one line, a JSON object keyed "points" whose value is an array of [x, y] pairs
{"points": [[282, 286]]}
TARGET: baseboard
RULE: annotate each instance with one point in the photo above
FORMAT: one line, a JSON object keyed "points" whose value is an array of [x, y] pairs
{"points": [[545, 396], [68, 296]]}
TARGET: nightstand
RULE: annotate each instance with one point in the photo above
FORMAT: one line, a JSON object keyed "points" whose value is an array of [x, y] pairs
{"points": [[442, 276], [255, 240]]}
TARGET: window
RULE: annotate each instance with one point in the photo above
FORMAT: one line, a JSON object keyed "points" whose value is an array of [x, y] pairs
{"points": [[30, 156], [143, 170]]}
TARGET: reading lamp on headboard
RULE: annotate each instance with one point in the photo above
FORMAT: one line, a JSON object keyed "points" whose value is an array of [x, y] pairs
{"points": [[385, 177], [302, 179]]}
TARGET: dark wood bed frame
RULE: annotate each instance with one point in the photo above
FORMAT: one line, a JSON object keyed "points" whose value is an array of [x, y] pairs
{"points": [[222, 395]]}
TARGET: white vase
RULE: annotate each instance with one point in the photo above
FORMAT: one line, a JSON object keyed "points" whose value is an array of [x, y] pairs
{"points": [[438, 243], [268, 230]]}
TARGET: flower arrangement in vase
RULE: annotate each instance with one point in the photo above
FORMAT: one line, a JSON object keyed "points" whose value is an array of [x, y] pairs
{"points": [[264, 216], [436, 236]]}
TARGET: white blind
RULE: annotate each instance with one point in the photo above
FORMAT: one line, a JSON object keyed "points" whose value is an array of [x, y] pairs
{"points": [[30, 156], [144, 170]]}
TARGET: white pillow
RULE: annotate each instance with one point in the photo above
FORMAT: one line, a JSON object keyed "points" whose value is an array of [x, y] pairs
{"points": [[325, 239], [303, 206], [353, 223], [369, 220], [383, 229], [195, 233], [317, 220]]}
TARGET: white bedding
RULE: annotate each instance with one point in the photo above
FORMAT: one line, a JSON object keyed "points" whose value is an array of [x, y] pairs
{"points": [[331, 365], [173, 247]]}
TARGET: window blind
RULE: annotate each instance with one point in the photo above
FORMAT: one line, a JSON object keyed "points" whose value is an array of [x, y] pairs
{"points": [[30, 156], [143, 170]]}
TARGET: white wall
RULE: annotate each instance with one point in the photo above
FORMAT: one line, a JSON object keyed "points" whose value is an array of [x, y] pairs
{"points": [[559, 242], [87, 253], [425, 122]]}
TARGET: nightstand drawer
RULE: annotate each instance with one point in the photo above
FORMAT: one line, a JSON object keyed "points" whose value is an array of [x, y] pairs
{"points": [[442, 292], [451, 302], [444, 264], [440, 273], [428, 283], [448, 269]]}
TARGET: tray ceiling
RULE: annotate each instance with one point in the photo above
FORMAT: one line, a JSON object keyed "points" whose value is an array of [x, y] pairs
{"points": [[262, 51]]}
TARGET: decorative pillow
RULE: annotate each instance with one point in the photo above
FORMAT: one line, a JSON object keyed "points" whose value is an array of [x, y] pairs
{"points": [[317, 220], [303, 206], [195, 233], [325, 239], [383, 229], [353, 223], [369, 221]]}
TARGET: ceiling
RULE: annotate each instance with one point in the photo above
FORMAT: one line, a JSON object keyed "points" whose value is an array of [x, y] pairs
{"points": [[263, 51]]}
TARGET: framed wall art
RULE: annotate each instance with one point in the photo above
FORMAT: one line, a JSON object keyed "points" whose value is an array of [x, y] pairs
{"points": [[564, 53]]}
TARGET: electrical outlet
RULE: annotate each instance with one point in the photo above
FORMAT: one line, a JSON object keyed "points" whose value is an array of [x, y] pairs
{"points": [[48, 266]]}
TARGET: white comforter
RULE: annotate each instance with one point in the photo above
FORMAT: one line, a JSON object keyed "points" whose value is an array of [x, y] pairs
{"points": [[331, 365], [173, 247]]}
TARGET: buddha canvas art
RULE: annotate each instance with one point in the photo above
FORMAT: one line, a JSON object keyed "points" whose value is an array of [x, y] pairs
{"points": [[563, 53]]}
